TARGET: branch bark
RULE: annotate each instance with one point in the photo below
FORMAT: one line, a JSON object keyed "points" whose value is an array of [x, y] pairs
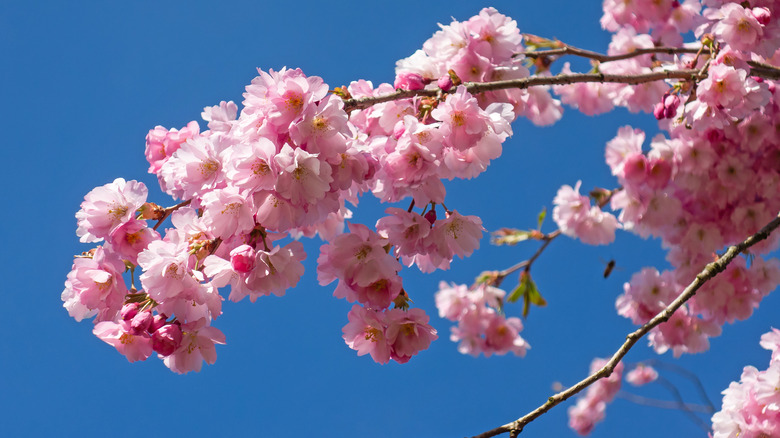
{"points": [[709, 271]]}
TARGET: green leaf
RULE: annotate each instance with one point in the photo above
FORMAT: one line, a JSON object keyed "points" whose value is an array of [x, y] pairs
{"points": [[509, 236], [540, 219], [530, 293]]}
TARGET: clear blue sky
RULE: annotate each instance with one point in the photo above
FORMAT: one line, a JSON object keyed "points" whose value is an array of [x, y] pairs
{"points": [[83, 82]]}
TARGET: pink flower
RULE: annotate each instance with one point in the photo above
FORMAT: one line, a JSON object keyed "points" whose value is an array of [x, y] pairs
{"points": [[303, 177], [409, 81], [365, 333], [577, 218], [739, 27], [133, 347], [95, 286], [162, 143], [463, 122], [132, 237], [194, 169], [641, 375], [457, 235], [226, 212], [408, 333], [197, 345], [107, 207]]}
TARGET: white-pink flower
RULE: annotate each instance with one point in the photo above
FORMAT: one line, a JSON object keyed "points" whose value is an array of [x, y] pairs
{"points": [[107, 207]]}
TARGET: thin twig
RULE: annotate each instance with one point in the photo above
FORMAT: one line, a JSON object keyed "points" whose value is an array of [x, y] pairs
{"points": [[571, 50], [709, 271], [547, 238], [686, 374], [167, 212], [663, 404]]}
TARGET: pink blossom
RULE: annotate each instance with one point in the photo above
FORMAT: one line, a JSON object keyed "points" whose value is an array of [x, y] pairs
{"points": [[226, 212], [409, 81], [577, 218], [738, 27], [133, 347], [166, 266], [365, 333], [591, 406], [194, 169], [590, 98], [107, 207], [221, 117], [162, 143], [303, 178], [276, 271], [250, 166], [95, 286], [132, 237], [408, 333], [457, 235], [627, 143], [463, 122], [641, 375], [197, 345]]}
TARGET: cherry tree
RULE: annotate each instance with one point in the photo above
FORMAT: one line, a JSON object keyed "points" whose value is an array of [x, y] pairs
{"points": [[295, 158]]}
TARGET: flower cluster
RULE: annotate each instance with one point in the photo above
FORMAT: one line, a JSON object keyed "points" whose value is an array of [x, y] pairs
{"points": [[591, 407], [481, 327], [751, 407]]}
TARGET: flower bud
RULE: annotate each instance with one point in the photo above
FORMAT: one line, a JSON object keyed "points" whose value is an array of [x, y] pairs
{"points": [[431, 216], [445, 83], [242, 259], [167, 339], [129, 311], [140, 323], [409, 81]]}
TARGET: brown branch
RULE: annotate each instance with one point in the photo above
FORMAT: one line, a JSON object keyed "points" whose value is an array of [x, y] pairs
{"points": [[709, 271], [167, 212], [570, 50], [533, 81]]}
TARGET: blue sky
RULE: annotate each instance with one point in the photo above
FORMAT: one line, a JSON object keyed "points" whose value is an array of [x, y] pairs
{"points": [[83, 82]]}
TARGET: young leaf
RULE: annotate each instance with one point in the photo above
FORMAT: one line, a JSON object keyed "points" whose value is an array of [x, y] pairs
{"points": [[540, 219], [509, 236], [530, 293]]}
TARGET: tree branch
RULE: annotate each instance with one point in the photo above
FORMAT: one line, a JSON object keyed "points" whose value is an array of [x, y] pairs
{"points": [[709, 271], [522, 83]]}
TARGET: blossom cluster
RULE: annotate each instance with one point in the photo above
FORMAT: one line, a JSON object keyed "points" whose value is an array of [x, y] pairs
{"points": [[698, 190], [590, 408], [285, 166], [751, 407], [481, 328]]}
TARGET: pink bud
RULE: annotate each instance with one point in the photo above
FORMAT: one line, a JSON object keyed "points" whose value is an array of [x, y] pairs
{"points": [[129, 311], [762, 15], [157, 322], [671, 103], [445, 83], [242, 259], [167, 339], [430, 216], [140, 323], [409, 81], [659, 111]]}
